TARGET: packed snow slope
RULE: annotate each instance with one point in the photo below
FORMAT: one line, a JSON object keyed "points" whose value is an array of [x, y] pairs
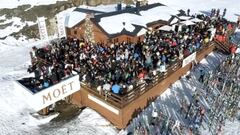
{"points": [[15, 114], [205, 6], [16, 3]]}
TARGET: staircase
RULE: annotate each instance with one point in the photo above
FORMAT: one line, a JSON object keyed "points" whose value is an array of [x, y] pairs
{"points": [[224, 47]]}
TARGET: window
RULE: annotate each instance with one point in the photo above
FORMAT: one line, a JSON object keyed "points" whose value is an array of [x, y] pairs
{"points": [[115, 40], [75, 32], [128, 39], [109, 40]]}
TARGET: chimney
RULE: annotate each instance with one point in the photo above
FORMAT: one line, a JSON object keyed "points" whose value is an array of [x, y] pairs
{"points": [[138, 4], [119, 6]]}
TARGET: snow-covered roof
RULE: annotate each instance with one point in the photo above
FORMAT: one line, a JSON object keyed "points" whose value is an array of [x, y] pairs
{"points": [[158, 13], [184, 17], [165, 28], [196, 20], [126, 20], [74, 18], [204, 6], [188, 22], [103, 8], [116, 23], [175, 20], [79, 13], [113, 24], [142, 32]]}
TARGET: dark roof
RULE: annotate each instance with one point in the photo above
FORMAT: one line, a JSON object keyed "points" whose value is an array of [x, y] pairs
{"points": [[157, 22], [84, 10], [133, 10], [125, 32]]}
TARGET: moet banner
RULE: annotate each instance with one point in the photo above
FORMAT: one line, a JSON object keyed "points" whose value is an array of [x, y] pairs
{"points": [[189, 59], [42, 28], [60, 25], [49, 95]]}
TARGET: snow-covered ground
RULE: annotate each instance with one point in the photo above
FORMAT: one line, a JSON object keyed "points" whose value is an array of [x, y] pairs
{"points": [[169, 101], [16, 25], [16, 3], [205, 6], [15, 113]]}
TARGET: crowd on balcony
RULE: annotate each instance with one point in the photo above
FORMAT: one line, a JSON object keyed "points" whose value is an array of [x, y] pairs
{"points": [[119, 67]]}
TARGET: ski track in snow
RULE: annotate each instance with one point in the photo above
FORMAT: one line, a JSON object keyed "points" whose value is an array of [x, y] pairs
{"points": [[169, 103]]}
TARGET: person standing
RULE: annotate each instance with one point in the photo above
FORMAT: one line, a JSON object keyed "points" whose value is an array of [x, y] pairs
{"points": [[224, 12], [201, 78], [188, 12]]}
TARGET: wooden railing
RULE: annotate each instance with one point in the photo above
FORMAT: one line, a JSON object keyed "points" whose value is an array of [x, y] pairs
{"points": [[143, 88], [222, 46], [110, 97], [131, 95], [225, 46]]}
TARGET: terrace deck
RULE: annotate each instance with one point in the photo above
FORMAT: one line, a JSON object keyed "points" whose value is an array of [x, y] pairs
{"points": [[121, 109]]}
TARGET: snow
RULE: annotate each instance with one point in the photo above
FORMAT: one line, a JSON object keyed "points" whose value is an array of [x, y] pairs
{"points": [[204, 6], [187, 22], [103, 8], [74, 18], [30, 23], [175, 20], [158, 13], [166, 28], [112, 24], [16, 26], [3, 17], [16, 116], [14, 112], [142, 32], [169, 100], [196, 20], [16, 3], [184, 17]]}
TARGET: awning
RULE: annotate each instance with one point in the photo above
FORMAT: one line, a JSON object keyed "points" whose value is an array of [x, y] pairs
{"points": [[184, 17], [165, 28], [175, 20], [196, 20], [188, 22], [211, 29]]}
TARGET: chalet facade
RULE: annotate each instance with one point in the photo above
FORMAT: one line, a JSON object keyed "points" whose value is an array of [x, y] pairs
{"points": [[129, 24]]}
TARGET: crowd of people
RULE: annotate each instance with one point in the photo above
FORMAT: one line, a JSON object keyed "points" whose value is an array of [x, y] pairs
{"points": [[122, 66], [206, 107]]}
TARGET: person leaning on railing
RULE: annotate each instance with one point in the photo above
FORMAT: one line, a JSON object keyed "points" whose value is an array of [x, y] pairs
{"points": [[127, 63]]}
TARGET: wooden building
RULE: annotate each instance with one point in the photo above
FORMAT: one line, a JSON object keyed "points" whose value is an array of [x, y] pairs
{"points": [[128, 24]]}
